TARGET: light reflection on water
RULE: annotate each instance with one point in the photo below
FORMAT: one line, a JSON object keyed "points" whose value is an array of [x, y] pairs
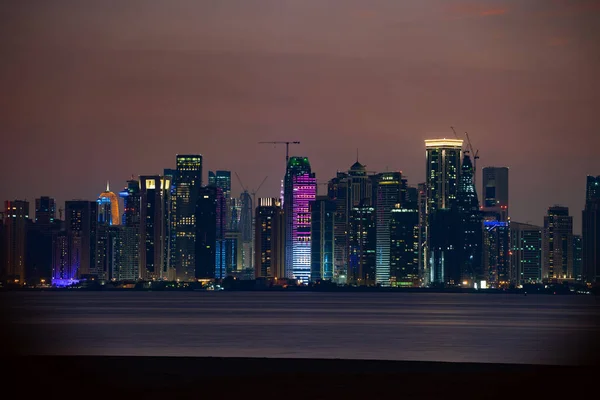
{"points": [[398, 326]]}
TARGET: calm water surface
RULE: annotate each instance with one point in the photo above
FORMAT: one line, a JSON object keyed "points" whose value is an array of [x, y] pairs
{"points": [[398, 326]]}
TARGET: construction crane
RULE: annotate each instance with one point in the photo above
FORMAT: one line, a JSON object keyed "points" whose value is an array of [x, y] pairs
{"points": [[287, 148], [456, 135], [253, 193], [475, 157]]}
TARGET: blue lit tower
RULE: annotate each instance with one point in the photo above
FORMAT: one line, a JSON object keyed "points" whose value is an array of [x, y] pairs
{"points": [[300, 187], [188, 184]]}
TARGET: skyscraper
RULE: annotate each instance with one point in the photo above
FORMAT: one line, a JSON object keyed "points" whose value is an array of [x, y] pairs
{"points": [[108, 208], [206, 233], [221, 224], [245, 227], [443, 244], [443, 172], [495, 190], [496, 253], [45, 211], [443, 169], [188, 184], [337, 189], [469, 231], [526, 247], [558, 244], [348, 189], [322, 238], [129, 268], [269, 239], [577, 258], [16, 214], [404, 247], [390, 191], [362, 245], [300, 188], [81, 223], [64, 273], [591, 231], [154, 227]]}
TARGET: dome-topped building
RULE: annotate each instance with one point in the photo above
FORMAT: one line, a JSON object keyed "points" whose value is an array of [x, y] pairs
{"points": [[108, 207]]}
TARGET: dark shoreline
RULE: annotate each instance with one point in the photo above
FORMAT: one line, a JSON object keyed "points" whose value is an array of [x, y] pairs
{"points": [[156, 377]]}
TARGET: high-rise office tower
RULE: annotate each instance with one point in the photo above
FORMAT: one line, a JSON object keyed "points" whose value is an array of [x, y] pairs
{"points": [[443, 172], [390, 191], [362, 246], [337, 189], [212, 178], [108, 216], [188, 184], [233, 252], [171, 250], [443, 169], [131, 238], [269, 239], [38, 259], [496, 252], [443, 242], [300, 188], [591, 231], [245, 227], [154, 227], [16, 214], [422, 208], [469, 232], [108, 208], [495, 190], [81, 226], [526, 247], [322, 239], [577, 258], [348, 189], [64, 273], [220, 250], [45, 211], [404, 246], [558, 244], [131, 203], [206, 233]]}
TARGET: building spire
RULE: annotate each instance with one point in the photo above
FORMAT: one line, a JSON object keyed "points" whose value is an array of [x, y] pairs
{"points": [[107, 186], [357, 154]]}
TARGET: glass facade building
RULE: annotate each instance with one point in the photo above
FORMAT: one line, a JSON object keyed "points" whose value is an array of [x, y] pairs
{"points": [[322, 238], [188, 183]]}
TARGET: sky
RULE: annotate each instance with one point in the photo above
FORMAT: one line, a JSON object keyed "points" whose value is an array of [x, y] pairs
{"points": [[101, 90]]}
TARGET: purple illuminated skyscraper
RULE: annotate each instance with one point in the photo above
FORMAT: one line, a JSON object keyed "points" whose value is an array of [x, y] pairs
{"points": [[299, 190]]}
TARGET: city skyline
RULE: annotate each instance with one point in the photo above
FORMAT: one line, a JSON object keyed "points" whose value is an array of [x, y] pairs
{"points": [[138, 84]]}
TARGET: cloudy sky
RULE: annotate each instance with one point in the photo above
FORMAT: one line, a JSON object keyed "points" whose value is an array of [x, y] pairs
{"points": [[101, 90]]}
